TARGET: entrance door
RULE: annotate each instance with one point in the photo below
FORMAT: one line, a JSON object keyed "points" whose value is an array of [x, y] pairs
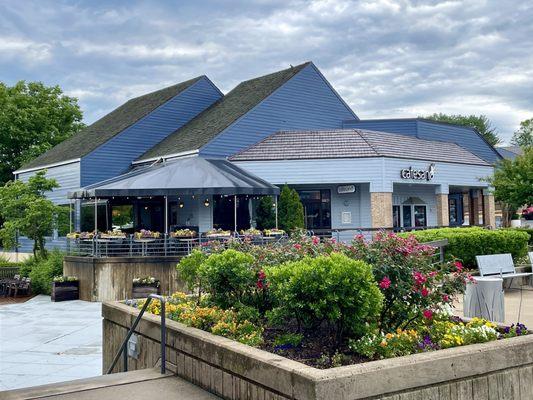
{"points": [[317, 208], [455, 207], [411, 215]]}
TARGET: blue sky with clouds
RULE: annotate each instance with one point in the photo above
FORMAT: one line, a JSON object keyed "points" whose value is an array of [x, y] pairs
{"points": [[386, 58]]}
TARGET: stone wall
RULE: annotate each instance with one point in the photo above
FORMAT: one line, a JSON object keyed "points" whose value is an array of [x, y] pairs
{"points": [[381, 209], [110, 278], [496, 370]]}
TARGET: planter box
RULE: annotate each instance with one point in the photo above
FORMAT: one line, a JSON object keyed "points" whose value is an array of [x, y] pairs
{"points": [[141, 291], [62, 291], [496, 370]]}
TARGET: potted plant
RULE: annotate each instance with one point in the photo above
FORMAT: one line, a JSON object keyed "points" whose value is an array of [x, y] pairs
{"points": [[527, 213], [250, 232], [516, 222], [147, 234], [65, 288], [114, 234], [217, 233], [142, 287], [274, 232], [183, 234]]}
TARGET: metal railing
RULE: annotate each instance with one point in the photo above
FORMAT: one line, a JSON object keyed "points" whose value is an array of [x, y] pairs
{"points": [[122, 350], [163, 246]]}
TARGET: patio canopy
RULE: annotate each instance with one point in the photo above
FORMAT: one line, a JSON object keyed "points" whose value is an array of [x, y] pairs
{"points": [[192, 175]]}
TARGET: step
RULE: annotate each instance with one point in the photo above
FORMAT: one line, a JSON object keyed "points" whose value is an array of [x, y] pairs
{"points": [[135, 385]]}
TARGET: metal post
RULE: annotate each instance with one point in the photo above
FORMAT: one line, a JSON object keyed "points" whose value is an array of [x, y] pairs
{"points": [[95, 215], [166, 215], [235, 211], [70, 216], [276, 209]]}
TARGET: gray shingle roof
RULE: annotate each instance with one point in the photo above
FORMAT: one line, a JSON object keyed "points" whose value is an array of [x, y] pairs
{"points": [[353, 143], [208, 124], [96, 134]]}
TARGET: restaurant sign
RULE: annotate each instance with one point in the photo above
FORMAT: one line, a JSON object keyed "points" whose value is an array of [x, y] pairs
{"points": [[346, 189], [418, 174]]}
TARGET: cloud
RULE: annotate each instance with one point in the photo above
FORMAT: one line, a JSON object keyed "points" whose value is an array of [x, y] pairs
{"points": [[387, 58]]}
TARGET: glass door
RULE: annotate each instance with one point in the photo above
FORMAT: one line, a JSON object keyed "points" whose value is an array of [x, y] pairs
{"points": [[317, 208], [455, 207]]}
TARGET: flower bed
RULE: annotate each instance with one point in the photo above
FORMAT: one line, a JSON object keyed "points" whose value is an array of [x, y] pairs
{"points": [[142, 287], [326, 303], [146, 234], [183, 233], [115, 234], [65, 288]]}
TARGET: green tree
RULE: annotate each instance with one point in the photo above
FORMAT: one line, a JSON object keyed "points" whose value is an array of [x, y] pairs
{"points": [[33, 119], [25, 210], [291, 210], [513, 180], [480, 122], [265, 214], [523, 137]]}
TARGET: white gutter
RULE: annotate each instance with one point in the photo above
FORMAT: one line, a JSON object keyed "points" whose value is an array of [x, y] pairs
{"points": [[21, 171], [166, 157]]}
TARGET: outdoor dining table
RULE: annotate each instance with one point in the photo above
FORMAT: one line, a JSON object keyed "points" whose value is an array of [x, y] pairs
{"points": [[144, 244]]}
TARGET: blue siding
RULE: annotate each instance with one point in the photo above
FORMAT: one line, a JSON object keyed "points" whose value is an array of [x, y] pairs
{"points": [[423, 129], [115, 156], [304, 102]]}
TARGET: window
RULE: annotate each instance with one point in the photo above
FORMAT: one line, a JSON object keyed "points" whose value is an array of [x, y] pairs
{"points": [[409, 215], [122, 216], [317, 208], [420, 216], [396, 216]]}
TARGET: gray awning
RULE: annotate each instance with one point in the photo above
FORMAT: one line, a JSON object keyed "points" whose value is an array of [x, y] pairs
{"points": [[192, 175]]}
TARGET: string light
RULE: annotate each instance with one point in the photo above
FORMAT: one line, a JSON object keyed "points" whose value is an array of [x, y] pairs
{"points": [[206, 202]]}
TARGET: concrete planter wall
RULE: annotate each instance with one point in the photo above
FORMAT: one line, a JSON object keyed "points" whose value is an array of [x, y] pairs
{"points": [[496, 370], [111, 278]]}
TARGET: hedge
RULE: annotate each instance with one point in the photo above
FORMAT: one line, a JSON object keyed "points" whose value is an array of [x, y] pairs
{"points": [[466, 243]]}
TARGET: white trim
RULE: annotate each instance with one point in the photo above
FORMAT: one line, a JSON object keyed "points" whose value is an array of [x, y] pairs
{"points": [[21, 171], [166, 157]]}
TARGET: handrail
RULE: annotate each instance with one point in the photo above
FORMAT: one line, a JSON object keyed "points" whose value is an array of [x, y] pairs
{"points": [[122, 348]]}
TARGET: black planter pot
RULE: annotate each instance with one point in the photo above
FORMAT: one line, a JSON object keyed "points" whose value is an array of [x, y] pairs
{"points": [[62, 291], [142, 290]]}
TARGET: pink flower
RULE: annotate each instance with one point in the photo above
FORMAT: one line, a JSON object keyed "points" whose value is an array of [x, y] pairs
{"points": [[428, 314], [445, 298], [316, 240], [298, 246], [419, 278], [458, 265], [433, 273], [261, 275], [424, 292], [385, 283], [359, 237], [259, 284]]}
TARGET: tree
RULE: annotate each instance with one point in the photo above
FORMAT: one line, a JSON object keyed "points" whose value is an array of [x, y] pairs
{"points": [[291, 210], [513, 180], [523, 137], [25, 210], [33, 119], [480, 122], [266, 216]]}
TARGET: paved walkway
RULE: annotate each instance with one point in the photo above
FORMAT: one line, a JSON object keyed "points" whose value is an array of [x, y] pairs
{"points": [[43, 342]]}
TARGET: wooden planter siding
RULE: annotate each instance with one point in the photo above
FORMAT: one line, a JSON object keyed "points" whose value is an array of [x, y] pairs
{"points": [[63, 291], [496, 370], [142, 290]]}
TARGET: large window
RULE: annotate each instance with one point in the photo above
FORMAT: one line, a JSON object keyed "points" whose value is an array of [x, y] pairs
{"points": [[409, 216], [317, 208], [122, 217]]}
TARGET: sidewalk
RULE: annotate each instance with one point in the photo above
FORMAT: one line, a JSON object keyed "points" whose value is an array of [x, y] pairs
{"points": [[43, 342]]}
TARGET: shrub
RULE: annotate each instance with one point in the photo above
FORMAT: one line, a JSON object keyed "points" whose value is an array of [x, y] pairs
{"points": [[332, 288], [529, 231], [413, 287], [43, 271], [266, 217], [466, 243], [228, 277], [291, 210], [188, 269]]}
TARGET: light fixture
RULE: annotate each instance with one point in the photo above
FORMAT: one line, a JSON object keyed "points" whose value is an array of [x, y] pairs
{"points": [[193, 196], [181, 204], [206, 202]]}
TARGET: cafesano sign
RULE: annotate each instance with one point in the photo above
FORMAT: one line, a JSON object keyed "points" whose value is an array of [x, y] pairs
{"points": [[418, 174]]}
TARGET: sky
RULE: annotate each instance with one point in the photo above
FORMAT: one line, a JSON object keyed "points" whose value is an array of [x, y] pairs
{"points": [[385, 58]]}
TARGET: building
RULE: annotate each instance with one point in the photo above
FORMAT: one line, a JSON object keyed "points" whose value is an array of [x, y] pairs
{"points": [[290, 127]]}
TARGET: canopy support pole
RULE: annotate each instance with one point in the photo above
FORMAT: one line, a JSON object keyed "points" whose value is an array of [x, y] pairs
{"points": [[235, 211], [70, 216], [166, 215], [95, 215], [276, 209]]}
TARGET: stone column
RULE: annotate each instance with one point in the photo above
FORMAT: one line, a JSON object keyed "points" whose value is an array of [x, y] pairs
{"points": [[381, 209], [443, 212], [489, 210], [475, 198]]}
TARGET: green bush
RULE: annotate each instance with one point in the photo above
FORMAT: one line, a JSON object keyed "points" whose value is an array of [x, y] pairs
{"points": [[291, 210], [334, 288], [265, 214], [43, 271], [228, 277], [188, 270], [529, 231], [466, 243]]}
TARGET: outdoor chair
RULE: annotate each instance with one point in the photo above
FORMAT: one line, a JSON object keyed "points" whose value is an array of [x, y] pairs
{"points": [[500, 265], [23, 287], [5, 284]]}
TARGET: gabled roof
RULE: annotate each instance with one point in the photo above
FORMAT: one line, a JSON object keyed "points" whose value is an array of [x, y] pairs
{"points": [[353, 143], [510, 152], [96, 134], [208, 124]]}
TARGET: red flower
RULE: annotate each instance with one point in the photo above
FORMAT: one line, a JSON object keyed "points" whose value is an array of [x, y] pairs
{"points": [[385, 283], [446, 298], [316, 240], [428, 314], [298, 246], [458, 265], [424, 292], [419, 278], [261, 275], [259, 285]]}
